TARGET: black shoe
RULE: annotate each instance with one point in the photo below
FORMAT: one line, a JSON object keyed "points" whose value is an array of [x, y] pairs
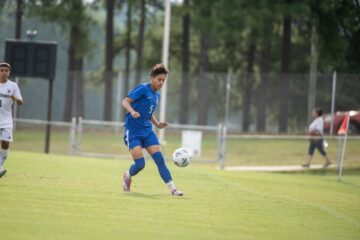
{"points": [[327, 164], [2, 172], [305, 165]]}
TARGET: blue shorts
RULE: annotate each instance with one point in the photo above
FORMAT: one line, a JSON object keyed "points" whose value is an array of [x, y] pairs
{"points": [[317, 145], [132, 140]]}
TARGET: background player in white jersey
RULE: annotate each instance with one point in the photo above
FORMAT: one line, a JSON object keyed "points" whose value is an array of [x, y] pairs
{"points": [[316, 132], [9, 93]]}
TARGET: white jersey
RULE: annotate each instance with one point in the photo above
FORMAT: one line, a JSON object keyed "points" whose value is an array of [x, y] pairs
{"points": [[318, 125], [7, 90]]}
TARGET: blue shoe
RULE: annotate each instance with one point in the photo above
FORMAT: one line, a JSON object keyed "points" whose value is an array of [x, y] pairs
{"points": [[2, 172]]}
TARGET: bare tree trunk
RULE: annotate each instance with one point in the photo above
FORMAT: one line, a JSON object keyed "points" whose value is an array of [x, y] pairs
{"points": [[313, 70], [18, 20], [285, 66], [2, 5], [140, 43], [79, 89], [127, 55], [264, 78], [18, 23], [248, 88], [202, 83], [185, 87], [108, 74], [68, 109]]}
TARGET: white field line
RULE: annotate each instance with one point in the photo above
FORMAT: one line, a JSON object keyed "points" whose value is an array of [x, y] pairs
{"points": [[273, 168]]}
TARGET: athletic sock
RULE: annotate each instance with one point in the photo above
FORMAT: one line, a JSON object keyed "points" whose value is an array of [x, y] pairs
{"points": [[163, 170], [3, 156], [138, 165], [171, 185]]}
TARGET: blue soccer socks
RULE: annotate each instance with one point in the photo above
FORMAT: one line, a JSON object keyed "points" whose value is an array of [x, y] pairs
{"points": [[137, 166], [163, 170]]}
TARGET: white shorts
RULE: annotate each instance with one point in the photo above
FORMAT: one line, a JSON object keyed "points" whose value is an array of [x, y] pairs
{"points": [[6, 134]]}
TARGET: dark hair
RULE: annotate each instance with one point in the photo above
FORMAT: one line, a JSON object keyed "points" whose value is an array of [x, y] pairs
{"points": [[158, 69], [4, 64], [318, 111]]}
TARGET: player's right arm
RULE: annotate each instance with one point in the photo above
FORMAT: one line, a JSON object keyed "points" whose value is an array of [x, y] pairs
{"points": [[314, 132], [126, 103]]}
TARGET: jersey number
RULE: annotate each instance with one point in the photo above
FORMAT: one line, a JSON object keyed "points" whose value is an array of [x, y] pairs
{"points": [[151, 108]]}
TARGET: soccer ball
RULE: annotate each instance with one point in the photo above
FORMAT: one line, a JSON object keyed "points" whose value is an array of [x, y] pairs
{"points": [[182, 157]]}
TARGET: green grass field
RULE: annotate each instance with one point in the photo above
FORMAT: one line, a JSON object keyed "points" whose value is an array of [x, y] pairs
{"points": [[60, 197]]}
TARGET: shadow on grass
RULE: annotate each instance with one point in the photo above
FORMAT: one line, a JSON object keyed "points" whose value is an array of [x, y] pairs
{"points": [[143, 195], [151, 196]]}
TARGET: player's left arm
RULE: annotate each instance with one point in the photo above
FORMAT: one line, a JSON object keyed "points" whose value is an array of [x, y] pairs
{"points": [[17, 96], [18, 101], [157, 123]]}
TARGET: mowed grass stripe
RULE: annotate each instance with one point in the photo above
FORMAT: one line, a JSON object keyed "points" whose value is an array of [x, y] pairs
{"points": [[52, 196]]}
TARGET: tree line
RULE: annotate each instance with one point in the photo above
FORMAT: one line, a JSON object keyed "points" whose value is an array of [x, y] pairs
{"points": [[254, 39]]}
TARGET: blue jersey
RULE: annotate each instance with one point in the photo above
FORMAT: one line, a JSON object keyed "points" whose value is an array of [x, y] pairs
{"points": [[145, 102]]}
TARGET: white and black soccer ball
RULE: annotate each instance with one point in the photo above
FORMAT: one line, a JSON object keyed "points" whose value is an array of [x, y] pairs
{"points": [[182, 157]]}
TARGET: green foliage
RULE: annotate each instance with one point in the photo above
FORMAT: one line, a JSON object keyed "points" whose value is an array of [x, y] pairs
{"points": [[66, 13], [231, 26]]}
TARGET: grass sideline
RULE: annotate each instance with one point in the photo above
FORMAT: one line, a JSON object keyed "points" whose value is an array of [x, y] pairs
{"points": [[54, 196], [239, 152]]}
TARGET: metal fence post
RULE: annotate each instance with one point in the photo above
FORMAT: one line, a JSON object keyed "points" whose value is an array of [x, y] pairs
{"points": [[118, 108], [343, 149], [333, 103], [219, 134], [340, 137], [79, 135], [222, 145], [224, 133], [73, 136]]}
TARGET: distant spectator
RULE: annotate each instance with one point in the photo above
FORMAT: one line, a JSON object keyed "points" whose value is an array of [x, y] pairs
{"points": [[9, 93], [316, 131]]}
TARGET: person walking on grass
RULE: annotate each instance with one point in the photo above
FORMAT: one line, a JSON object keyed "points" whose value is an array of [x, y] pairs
{"points": [[316, 132], [9, 93], [140, 105]]}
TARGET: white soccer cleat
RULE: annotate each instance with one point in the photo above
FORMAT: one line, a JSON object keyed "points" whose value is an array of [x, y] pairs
{"points": [[177, 193], [127, 182]]}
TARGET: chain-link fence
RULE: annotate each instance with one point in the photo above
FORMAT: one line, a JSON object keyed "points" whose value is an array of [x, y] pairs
{"points": [[258, 103]]}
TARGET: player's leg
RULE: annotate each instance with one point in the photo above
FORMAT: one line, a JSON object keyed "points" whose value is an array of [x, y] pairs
{"points": [[5, 138], [134, 145], [159, 160], [311, 154], [3, 155], [153, 148], [135, 168], [139, 161], [322, 151]]}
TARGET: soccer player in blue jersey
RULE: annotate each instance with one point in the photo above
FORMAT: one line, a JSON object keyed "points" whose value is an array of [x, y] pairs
{"points": [[140, 105]]}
